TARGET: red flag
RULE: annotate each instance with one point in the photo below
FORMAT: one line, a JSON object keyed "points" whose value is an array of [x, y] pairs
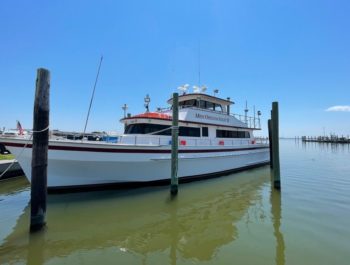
{"points": [[19, 128]]}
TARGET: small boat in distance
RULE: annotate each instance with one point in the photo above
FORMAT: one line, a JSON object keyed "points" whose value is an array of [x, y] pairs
{"points": [[212, 142]]}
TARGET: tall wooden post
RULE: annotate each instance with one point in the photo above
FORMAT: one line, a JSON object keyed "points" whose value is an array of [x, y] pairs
{"points": [[270, 141], [275, 146], [174, 145], [40, 149]]}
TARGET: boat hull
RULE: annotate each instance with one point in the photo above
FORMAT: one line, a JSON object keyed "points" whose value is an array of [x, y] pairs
{"points": [[76, 165]]}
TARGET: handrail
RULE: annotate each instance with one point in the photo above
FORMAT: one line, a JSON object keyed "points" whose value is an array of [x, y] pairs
{"points": [[163, 140], [251, 122]]}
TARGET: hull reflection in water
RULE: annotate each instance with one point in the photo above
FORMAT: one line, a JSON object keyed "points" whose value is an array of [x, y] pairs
{"points": [[139, 225]]}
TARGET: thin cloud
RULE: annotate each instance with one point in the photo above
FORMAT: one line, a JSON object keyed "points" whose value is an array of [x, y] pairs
{"points": [[339, 108]]}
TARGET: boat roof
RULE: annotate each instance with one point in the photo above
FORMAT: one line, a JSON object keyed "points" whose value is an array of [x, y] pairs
{"points": [[213, 99]]}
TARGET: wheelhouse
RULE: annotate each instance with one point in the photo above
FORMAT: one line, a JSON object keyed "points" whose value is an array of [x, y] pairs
{"points": [[205, 102]]}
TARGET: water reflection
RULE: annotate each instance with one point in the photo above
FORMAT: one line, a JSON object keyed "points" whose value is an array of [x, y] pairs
{"points": [[13, 186], [140, 224], [276, 213], [174, 233], [213, 222], [14, 194], [326, 147], [36, 246]]}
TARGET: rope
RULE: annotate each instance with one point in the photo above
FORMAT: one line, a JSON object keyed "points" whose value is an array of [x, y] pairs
{"points": [[171, 127], [20, 153], [43, 130]]}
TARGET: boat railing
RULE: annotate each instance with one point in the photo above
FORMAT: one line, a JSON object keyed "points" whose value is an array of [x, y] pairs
{"points": [[251, 122], [162, 140], [153, 140], [262, 140]]}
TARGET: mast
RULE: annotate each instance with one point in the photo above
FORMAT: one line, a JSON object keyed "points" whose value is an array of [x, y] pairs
{"points": [[92, 97]]}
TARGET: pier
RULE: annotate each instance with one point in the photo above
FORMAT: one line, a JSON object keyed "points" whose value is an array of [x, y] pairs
{"points": [[334, 139]]}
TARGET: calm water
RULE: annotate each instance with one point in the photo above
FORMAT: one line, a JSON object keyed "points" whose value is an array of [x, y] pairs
{"points": [[235, 219]]}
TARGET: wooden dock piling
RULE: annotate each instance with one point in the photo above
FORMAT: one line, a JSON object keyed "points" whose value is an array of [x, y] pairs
{"points": [[270, 141], [275, 146], [174, 145], [40, 150]]}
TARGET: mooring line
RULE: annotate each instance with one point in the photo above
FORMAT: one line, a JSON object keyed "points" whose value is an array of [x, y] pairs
{"points": [[24, 147]]}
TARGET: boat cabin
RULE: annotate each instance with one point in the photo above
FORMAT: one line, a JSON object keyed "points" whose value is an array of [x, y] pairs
{"points": [[201, 116]]}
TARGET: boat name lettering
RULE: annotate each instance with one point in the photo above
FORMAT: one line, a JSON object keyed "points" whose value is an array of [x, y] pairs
{"points": [[212, 118]]}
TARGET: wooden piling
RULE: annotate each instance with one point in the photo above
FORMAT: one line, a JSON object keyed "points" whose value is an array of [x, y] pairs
{"points": [[174, 145], [40, 150], [270, 141], [275, 146]]}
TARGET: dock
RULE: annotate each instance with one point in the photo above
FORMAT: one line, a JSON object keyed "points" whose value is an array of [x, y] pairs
{"points": [[334, 139]]}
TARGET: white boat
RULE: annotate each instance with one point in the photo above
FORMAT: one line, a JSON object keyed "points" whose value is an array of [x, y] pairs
{"points": [[212, 142]]}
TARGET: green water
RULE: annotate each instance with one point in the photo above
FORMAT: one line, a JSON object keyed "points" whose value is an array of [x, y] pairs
{"points": [[236, 219]]}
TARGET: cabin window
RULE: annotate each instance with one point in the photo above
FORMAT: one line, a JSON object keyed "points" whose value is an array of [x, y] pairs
{"points": [[203, 104], [188, 103], [232, 134], [217, 107], [209, 105], [241, 134], [189, 131], [205, 132], [145, 128]]}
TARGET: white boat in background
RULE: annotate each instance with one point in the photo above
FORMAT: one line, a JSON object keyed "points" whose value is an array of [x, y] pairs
{"points": [[212, 142], [19, 131]]}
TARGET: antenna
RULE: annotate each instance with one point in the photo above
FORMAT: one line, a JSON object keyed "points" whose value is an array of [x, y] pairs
{"points": [[246, 113], [125, 107], [259, 114], [199, 62], [254, 115], [92, 96], [147, 100]]}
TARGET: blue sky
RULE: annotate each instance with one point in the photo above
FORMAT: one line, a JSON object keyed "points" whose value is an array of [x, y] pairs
{"points": [[295, 52]]}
